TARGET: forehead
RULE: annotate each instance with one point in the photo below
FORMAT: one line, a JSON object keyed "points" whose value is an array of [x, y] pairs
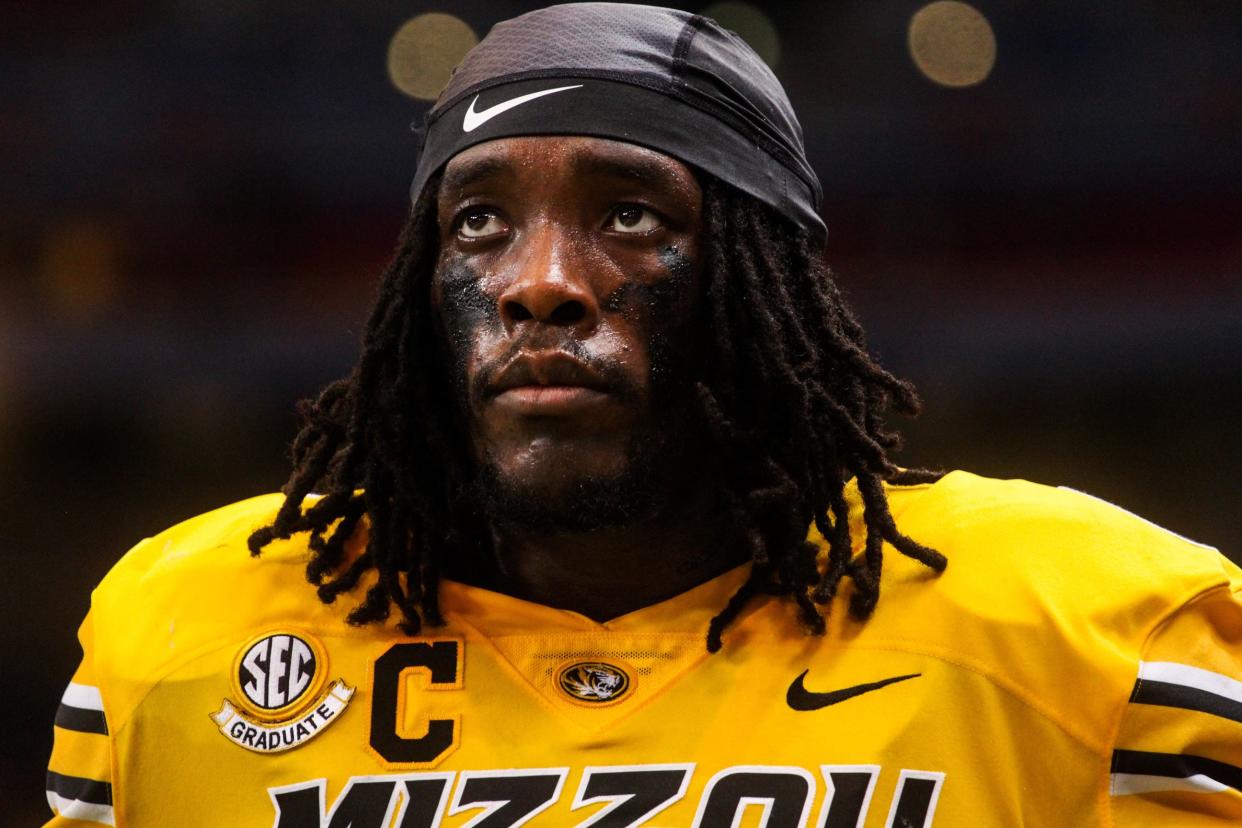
{"points": [[580, 159]]}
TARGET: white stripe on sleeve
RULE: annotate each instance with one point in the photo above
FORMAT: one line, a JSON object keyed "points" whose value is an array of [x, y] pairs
{"points": [[76, 809], [1123, 784], [83, 696], [1171, 672]]}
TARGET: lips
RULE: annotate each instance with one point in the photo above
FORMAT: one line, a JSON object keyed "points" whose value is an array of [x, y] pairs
{"points": [[554, 368], [548, 383]]}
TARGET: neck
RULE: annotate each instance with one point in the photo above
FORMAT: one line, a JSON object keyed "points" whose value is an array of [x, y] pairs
{"points": [[607, 573]]}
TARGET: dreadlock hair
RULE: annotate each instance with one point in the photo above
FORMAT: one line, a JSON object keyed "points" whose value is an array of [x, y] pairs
{"points": [[386, 441]]}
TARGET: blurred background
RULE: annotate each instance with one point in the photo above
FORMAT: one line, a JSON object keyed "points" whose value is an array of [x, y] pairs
{"points": [[1034, 207]]}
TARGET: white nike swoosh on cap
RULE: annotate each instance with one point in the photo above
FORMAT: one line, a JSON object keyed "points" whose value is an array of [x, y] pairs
{"points": [[474, 120]]}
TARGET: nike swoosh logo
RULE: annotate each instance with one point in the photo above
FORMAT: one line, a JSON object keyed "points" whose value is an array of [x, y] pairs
{"points": [[474, 120], [799, 698]]}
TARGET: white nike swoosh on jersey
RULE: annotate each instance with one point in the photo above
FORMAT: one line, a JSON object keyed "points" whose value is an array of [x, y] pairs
{"points": [[474, 120]]}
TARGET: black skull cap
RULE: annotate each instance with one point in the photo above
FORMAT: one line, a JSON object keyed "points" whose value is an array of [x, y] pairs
{"points": [[661, 78]]}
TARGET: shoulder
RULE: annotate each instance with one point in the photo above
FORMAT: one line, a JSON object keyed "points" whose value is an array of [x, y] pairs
{"points": [[195, 587], [211, 546], [1017, 539], [1050, 594], [1049, 573]]}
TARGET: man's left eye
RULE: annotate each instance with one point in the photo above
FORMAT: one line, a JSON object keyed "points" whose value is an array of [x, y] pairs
{"points": [[630, 218]]}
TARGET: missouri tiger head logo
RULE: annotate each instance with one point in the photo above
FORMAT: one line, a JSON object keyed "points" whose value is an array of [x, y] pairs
{"points": [[594, 682]]}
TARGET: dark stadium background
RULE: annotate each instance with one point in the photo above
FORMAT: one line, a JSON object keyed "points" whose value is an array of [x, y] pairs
{"points": [[197, 197]]}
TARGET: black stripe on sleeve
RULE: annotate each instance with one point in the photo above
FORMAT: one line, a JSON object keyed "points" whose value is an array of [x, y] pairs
{"points": [[76, 787], [1176, 765], [81, 719], [1166, 694]]}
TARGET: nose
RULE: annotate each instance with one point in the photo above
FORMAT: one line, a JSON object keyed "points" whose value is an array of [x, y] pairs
{"points": [[552, 286]]}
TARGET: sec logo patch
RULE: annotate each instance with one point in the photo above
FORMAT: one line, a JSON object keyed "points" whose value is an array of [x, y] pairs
{"points": [[277, 700], [275, 673], [593, 682]]}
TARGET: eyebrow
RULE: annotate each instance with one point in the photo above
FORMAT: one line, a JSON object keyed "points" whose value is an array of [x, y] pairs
{"points": [[461, 175], [649, 171], [645, 170]]}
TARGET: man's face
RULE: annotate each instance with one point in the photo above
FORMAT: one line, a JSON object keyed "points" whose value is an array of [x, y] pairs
{"points": [[566, 290]]}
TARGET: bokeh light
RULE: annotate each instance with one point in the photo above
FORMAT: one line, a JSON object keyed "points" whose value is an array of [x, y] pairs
{"points": [[423, 52], [750, 24], [952, 43]]}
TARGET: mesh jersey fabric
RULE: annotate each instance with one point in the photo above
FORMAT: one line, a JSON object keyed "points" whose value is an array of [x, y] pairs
{"points": [[1002, 692]]}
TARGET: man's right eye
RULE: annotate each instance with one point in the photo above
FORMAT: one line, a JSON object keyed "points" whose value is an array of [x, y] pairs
{"points": [[479, 224]]}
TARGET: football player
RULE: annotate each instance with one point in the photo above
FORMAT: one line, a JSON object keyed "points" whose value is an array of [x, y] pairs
{"points": [[596, 531]]}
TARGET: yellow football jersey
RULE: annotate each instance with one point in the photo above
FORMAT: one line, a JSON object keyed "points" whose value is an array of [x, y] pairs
{"points": [[1073, 666]]}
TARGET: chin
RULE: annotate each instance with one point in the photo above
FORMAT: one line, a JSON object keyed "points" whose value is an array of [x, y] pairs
{"points": [[567, 498]]}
